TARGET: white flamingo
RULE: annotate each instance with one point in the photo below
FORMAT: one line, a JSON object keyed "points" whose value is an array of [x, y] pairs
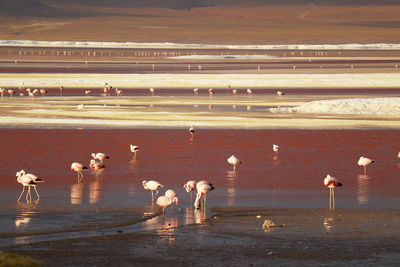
{"points": [[275, 148], [134, 150], [171, 194], [233, 160], [165, 201], [280, 93], [27, 180], [153, 186], [100, 156], [364, 162], [95, 165], [196, 91], [331, 183], [78, 167], [191, 130], [189, 187], [203, 188]]}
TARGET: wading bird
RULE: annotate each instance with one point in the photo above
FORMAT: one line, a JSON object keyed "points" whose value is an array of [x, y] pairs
{"points": [[100, 157], [275, 148], [165, 201], [234, 161], [153, 186], [95, 165], [171, 194], [27, 180], [77, 167], [364, 162], [191, 130], [331, 183], [189, 187], [134, 150], [202, 187]]}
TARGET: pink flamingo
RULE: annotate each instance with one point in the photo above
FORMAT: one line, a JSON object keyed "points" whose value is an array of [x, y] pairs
{"points": [[27, 180], [171, 194], [96, 165], [87, 92], [189, 187], [202, 187], [249, 91], [134, 150], [196, 91], [100, 157], [211, 91], [152, 91], [10, 92], [77, 167], [331, 183], [43, 92], [165, 201], [364, 162], [191, 130], [234, 161], [153, 186], [118, 92], [2, 91], [280, 93]]}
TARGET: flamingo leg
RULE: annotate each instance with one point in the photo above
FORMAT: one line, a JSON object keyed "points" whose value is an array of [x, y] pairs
{"points": [[38, 197], [204, 200], [330, 198], [365, 169], [23, 189], [28, 195], [333, 198]]}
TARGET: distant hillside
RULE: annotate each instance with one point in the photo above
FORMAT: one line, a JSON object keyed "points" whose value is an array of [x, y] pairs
{"points": [[31, 8]]}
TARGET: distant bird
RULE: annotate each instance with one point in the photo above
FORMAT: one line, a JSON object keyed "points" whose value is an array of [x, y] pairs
{"points": [[234, 91], [43, 92], [249, 91], [2, 92], [118, 92], [191, 130], [134, 150], [27, 180], [196, 91], [189, 187], [275, 147], [153, 186], [331, 183], [165, 201], [364, 162], [87, 92], [79, 107], [95, 165], [10, 92], [152, 91], [211, 91], [280, 93], [234, 161], [203, 188], [100, 156], [77, 167]]}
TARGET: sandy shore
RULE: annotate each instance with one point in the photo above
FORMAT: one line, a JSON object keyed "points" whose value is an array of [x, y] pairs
{"points": [[235, 237]]}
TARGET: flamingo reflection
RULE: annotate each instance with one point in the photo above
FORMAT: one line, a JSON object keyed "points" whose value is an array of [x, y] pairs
{"points": [[362, 188], [200, 216], [95, 191], [231, 190], [76, 193]]}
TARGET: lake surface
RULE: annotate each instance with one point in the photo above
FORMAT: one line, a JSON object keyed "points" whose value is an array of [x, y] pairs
{"points": [[115, 197]]}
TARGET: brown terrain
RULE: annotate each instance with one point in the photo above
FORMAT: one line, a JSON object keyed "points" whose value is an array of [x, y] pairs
{"points": [[215, 21]]}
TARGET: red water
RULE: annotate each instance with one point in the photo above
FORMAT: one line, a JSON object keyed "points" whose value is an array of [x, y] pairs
{"points": [[294, 178]]}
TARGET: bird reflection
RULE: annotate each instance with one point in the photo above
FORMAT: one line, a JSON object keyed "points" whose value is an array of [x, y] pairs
{"points": [[362, 188], [231, 190], [200, 216], [76, 193], [24, 218], [95, 191], [329, 223]]}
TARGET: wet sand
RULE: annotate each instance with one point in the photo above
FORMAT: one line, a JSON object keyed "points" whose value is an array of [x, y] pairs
{"points": [[235, 237]]}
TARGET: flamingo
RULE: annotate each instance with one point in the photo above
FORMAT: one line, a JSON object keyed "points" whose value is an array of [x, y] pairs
{"points": [[196, 91], [134, 150], [87, 92], [275, 148], [43, 92], [152, 91], [189, 187], [234, 161], [10, 92], [165, 201], [280, 93], [331, 183], [100, 156], [171, 194], [118, 92], [96, 165], [78, 107], [27, 180], [77, 167], [363, 161], [211, 91], [153, 186], [249, 91], [2, 91], [234, 91], [202, 187], [191, 130]]}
